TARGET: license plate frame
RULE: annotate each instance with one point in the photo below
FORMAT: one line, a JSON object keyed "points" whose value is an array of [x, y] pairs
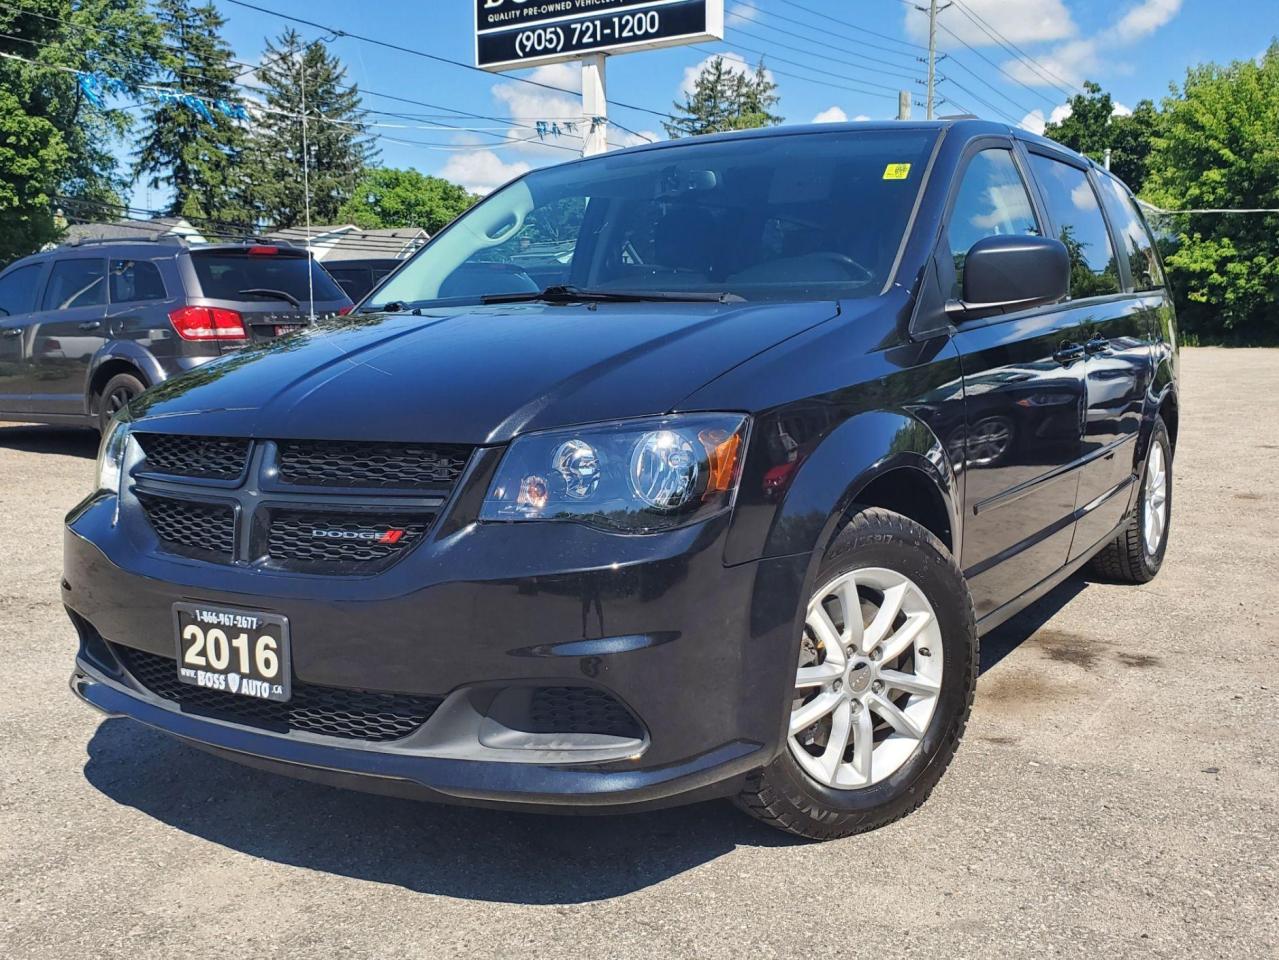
{"points": [[248, 643]]}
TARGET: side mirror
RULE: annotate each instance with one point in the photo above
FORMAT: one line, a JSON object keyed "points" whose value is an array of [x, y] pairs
{"points": [[1006, 272]]}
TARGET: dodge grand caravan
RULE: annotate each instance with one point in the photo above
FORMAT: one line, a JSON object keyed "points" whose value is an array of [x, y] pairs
{"points": [[719, 510]]}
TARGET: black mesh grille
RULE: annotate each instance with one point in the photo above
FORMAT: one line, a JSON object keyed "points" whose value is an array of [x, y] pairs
{"points": [[383, 466], [581, 710], [205, 458], [301, 538], [331, 711], [205, 528]]}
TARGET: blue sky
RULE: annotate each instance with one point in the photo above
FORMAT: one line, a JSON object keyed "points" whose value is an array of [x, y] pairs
{"points": [[823, 67]]}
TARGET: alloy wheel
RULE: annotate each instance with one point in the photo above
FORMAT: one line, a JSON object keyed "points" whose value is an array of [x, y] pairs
{"points": [[1154, 512], [869, 678]]}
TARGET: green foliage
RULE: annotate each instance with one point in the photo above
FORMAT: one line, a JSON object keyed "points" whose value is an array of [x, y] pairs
{"points": [[725, 98], [1219, 148], [336, 137], [55, 148], [198, 157], [403, 198], [1093, 126]]}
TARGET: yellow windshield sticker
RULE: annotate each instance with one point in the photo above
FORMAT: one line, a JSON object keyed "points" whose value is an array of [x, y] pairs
{"points": [[897, 171]]}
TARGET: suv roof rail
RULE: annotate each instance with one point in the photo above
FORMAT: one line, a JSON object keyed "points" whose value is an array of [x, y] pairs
{"points": [[179, 239], [959, 116]]}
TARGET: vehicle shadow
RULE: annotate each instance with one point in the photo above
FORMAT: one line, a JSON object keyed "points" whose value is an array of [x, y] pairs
{"points": [[1008, 636], [470, 853], [68, 441]]}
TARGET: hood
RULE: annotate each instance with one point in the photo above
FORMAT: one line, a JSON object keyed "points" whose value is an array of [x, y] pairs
{"points": [[472, 374]]}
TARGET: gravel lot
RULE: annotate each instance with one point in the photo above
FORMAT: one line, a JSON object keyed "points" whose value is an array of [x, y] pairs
{"points": [[1117, 793]]}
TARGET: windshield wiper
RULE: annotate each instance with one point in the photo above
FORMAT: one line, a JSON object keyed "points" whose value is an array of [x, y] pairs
{"points": [[274, 294], [567, 293]]}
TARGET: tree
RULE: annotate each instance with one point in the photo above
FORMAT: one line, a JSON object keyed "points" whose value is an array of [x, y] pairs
{"points": [[191, 146], [1219, 148], [54, 149], [387, 197], [1093, 126], [336, 136], [726, 98]]}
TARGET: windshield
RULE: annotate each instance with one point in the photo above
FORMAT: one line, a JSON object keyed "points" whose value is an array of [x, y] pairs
{"points": [[236, 275], [801, 217]]}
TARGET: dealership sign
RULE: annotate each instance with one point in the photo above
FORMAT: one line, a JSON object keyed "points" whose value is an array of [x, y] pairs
{"points": [[526, 33]]}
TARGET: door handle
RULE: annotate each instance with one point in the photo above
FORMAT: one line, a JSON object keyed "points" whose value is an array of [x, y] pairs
{"points": [[1068, 353], [91, 325], [13, 331], [1096, 345]]}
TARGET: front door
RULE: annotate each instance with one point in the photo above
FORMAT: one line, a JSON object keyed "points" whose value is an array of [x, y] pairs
{"points": [[66, 334], [19, 288]]}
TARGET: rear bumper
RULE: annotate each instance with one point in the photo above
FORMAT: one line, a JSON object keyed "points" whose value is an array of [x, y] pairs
{"points": [[700, 653]]}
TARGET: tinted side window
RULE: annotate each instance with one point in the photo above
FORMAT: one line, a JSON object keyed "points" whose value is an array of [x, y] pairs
{"points": [[992, 202], [75, 283], [18, 289], [135, 280], [1132, 235], [1072, 204]]}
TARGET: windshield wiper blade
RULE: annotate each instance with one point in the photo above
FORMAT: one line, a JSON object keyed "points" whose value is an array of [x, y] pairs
{"points": [[267, 292], [566, 293]]}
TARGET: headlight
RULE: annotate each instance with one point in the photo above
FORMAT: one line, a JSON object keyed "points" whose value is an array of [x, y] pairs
{"points": [[636, 476], [115, 442]]}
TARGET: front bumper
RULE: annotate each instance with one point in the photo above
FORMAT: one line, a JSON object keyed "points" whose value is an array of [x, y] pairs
{"points": [[700, 653]]}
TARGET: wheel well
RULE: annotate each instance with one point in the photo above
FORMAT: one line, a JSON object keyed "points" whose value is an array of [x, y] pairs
{"points": [[1168, 410], [913, 494], [104, 373]]}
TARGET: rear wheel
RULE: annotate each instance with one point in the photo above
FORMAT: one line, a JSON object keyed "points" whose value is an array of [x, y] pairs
{"points": [[1137, 553], [883, 687], [115, 396]]}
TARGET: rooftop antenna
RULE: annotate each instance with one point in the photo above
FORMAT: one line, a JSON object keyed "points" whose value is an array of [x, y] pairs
{"points": [[306, 197]]}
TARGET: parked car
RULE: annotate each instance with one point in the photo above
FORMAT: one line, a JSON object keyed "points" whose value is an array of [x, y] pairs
{"points": [[357, 278], [688, 519], [86, 328]]}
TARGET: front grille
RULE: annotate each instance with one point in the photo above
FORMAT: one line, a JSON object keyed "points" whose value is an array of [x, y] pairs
{"points": [[330, 711], [581, 710], [380, 466], [191, 527], [313, 538], [203, 458]]}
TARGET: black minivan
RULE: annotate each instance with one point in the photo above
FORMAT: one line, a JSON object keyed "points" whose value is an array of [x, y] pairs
{"points": [[719, 509]]}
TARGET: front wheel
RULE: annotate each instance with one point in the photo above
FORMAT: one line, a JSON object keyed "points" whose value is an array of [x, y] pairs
{"points": [[883, 687]]}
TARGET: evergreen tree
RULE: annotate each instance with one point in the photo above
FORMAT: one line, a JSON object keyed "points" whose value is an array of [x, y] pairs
{"points": [[195, 151], [337, 140], [726, 98]]}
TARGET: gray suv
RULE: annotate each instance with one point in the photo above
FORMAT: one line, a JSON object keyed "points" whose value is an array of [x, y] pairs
{"points": [[85, 328]]}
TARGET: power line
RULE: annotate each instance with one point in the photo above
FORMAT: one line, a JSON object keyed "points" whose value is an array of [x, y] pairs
{"points": [[1018, 53], [825, 31], [796, 76], [852, 26], [1021, 83]]}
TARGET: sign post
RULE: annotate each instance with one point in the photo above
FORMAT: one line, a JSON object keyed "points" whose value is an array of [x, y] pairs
{"points": [[516, 34]]}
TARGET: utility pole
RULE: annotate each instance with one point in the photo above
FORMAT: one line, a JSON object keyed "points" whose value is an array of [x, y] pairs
{"points": [[903, 104], [932, 10], [594, 105]]}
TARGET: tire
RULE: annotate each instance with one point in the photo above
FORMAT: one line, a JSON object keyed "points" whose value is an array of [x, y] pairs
{"points": [[875, 545], [1130, 557], [119, 390]]}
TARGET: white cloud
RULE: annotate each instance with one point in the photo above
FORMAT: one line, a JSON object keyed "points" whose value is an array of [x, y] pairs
{"points": [[1035, 121], [739, 14], [1077, 59], [860, 117], [733, 62], [528, 105], [481, 171], [831, 115], [1020, 21], [1120, 110]]}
